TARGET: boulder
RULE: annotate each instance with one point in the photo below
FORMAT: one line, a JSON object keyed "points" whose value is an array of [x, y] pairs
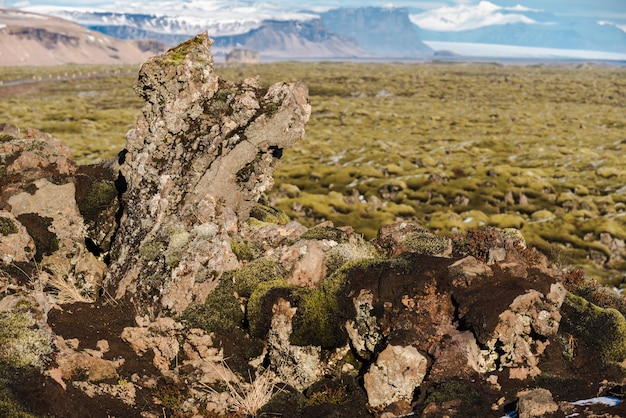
{"points": [[394, 376]]}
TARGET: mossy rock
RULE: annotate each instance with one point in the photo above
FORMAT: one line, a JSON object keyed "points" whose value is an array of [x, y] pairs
{"points": [[223, 309], [248, 277], [450, 390], [609, 172], [426, 243], [151, 250], [220, 313], [267, 214], [445, 222], [542, 215], [7, 227], [322, 312], [259, 308], [177, 241], [242, 250], [289, 190], [99, 197], [346, 252], [602, 328], [325, 233], [177, 55], [474, 219]]}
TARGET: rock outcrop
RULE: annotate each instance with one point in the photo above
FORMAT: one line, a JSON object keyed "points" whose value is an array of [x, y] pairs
{"points": [[163, 282], [199, 158]]}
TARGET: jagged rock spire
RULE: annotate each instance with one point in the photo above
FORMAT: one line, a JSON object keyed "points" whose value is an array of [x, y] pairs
{"points": [[201, 154]]}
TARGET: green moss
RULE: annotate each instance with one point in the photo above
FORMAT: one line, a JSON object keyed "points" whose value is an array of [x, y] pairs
{"points": [[346, 252], [268, 214], [325, 233], [21, 345], [177, 55], [452, 390], [98, 198], [224, 95], [603, 328], [271, 108], [322, 312], [242, 250], [7, 227], [220, 313], [542, 215], [331, 396], [289, 190], [506, 220], [259, 308], [247, 278], [223, 309]]}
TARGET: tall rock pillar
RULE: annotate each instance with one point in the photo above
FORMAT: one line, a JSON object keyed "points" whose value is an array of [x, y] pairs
{"points": [[201, 154]]}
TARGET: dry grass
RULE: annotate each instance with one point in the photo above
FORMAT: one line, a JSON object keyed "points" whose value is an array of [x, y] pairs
{"points": [[246, 398], [65, 289]]}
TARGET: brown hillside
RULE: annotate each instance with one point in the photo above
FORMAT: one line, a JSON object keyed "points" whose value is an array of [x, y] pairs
{"points": [[34, 39]]}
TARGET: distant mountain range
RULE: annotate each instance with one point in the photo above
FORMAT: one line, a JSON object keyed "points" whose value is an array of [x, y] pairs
{"points": [[368, 32], [359, 32]]}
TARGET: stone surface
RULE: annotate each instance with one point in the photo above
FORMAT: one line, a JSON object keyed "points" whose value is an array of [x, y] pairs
{"points": [[38, 189], [535, 403], [15, 243], [296, 366], [530, 315], [395, 375]]}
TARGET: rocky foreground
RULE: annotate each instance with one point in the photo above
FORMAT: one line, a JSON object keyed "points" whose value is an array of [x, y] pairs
{"points": [[161, 284]]}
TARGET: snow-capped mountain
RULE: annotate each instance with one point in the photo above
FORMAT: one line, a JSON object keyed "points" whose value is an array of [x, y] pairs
{"points": [[187, 17], [361, 32]]}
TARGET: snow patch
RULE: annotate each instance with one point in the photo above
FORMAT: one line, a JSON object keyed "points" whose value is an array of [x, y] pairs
{"points": [[602, 400]]}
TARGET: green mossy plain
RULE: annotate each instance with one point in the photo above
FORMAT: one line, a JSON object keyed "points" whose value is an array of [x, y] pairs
{"points": [[452, 146]]}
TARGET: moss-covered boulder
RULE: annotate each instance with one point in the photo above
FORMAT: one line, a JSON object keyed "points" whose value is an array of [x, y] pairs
{"points": [[601, 328]]}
